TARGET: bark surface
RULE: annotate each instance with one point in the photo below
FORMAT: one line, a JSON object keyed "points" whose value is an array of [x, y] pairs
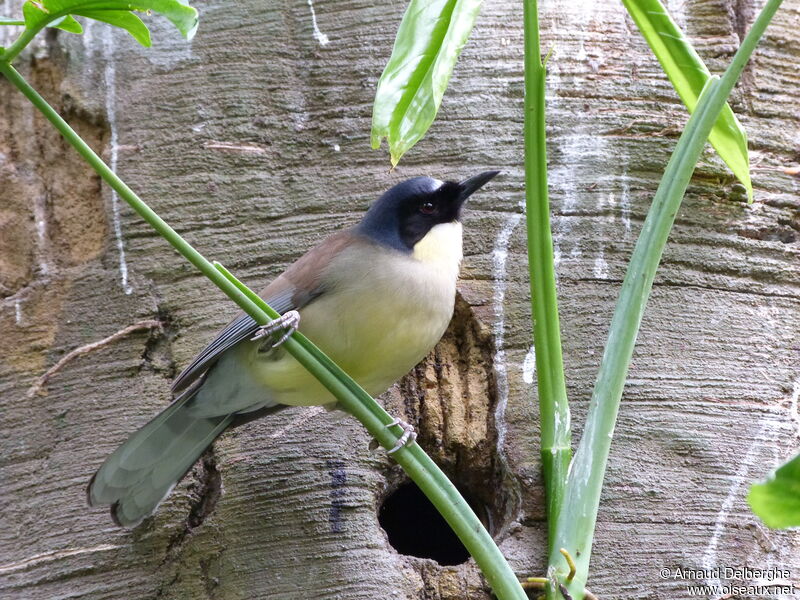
{"points": [[253, 141]]}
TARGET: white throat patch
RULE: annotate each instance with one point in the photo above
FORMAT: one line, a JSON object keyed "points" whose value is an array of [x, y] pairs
{"points": [[442, 244]]}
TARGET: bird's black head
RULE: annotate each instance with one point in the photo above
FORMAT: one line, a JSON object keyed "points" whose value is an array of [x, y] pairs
{"points": [[408, 211]]}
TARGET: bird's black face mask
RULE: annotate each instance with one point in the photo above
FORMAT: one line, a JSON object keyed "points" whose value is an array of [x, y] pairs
{"points": [[408, 211], [421, 213]]}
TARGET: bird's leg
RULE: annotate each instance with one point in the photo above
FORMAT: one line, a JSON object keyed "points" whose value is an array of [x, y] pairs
{"points": [[289, 321], [408, 437]]}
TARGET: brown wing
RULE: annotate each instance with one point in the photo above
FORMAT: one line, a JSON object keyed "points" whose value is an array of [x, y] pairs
{"points": [[295, 288]]}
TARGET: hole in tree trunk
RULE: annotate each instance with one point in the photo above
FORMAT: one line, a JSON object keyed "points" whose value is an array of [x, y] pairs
{"points": [[451, 398], [416, 528]]}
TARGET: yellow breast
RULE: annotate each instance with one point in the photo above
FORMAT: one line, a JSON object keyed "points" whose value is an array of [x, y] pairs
{"points": [[383, 313]]}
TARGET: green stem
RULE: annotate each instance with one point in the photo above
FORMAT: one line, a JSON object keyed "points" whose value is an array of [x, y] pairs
{"points": [[575, 529], [23, 40], [553, 405], [352, 398]]}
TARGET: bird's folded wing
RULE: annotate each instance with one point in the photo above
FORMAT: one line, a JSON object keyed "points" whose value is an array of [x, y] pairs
{"points": [[301, 283], [241, 328]]}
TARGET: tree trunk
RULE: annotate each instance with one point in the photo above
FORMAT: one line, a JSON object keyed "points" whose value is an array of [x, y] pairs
{"points": [[253, 142]]}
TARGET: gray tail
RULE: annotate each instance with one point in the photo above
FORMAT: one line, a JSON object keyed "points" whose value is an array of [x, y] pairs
{"points": [[144, 470]]}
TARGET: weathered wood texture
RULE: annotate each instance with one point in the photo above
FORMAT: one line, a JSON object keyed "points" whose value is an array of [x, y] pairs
{"points": [[253, 141]]}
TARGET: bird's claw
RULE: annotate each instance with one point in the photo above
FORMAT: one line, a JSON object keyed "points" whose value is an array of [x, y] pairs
{"points": [[289, 322], [409, 435]]}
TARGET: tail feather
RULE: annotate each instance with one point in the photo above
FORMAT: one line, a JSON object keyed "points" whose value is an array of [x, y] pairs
{"points": [[142, 472]]}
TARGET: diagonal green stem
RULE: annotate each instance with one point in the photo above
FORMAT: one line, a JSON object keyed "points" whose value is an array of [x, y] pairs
{"points": [[352, 398], [26, 37], [18, 45], [575, 528], [553, 406]]}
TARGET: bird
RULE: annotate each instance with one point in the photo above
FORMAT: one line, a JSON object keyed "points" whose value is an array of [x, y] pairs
{"points": [[376, 297]]}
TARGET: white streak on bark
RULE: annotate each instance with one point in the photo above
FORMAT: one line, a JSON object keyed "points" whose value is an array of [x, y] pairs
{"points": [[306, 415], [529, 366], [499, 259], [54, 555], [625, 198], [39, 209], [88, 37], [600, 266], [111, 115], [318, 35], [741, 477], [40, 216], [233, 148]]}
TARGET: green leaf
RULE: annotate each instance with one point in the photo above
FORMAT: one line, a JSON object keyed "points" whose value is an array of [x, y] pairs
{"points": [[688, 74], [67, 24], [428, 42], [184, 17], [119, 18], [776, 501], [124, 20]]}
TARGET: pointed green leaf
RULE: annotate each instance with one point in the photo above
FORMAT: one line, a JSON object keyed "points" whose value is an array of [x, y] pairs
{"points": [[41, 12], [35, 12], [124, 20], [776, 501], [688, 74], [67, 24], [429, 40]]}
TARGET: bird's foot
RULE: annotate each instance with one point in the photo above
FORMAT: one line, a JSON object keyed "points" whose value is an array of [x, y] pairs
{"points": [[289, 322], [408, 437]]}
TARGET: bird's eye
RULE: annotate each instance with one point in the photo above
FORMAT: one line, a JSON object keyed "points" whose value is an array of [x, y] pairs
{"points": [[427, 208]]}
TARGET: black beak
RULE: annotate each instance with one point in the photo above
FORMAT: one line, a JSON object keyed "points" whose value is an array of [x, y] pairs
{"points": [[473, 184]]}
